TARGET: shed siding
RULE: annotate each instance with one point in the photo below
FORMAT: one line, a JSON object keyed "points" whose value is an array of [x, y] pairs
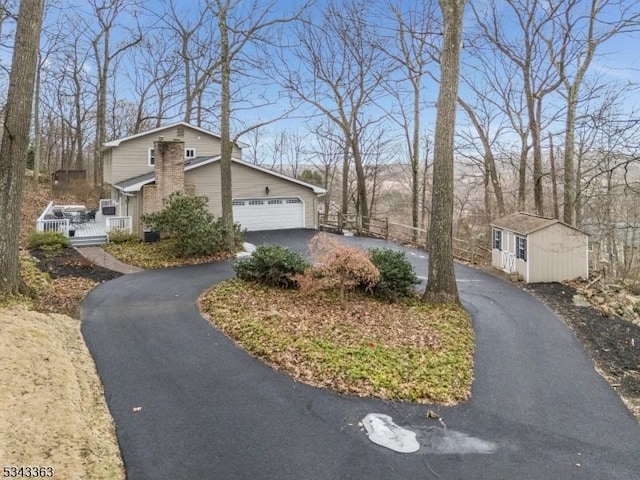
{"points": [[249, 183], [131, 157], [557, 253]]}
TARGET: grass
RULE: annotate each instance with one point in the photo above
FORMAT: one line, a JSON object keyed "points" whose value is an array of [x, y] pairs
{"points": [[360, 346], [155, 255]]}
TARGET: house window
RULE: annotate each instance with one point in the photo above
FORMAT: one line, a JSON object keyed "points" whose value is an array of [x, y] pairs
{"points": [[152, 157], [238, 203], [189, 153], [294, 200], [521, 248], [256, 202], [275, 202], [497, 239]]}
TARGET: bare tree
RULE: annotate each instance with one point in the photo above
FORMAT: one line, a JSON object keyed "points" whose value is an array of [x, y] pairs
{"points": [[576, 35], [441, 284], [15, 139], [107, 15], [416, 31], [523, 45], [241, 26]]}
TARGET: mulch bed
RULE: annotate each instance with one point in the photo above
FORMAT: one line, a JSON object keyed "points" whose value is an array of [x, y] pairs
{"points": [[612, 342], [68, 262]]}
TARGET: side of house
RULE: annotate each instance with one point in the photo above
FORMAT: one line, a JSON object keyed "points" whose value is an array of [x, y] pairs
{"points": [[141, 178]]}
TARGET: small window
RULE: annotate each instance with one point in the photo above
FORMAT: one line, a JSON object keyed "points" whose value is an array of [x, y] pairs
{"points": [[294, 200], [152, 157], [256, 202], [275, 202], [238, 203], [521, 248], [189, 153], [497, 239]]}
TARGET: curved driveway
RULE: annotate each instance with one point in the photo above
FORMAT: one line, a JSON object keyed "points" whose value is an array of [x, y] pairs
{"points": [[188, 404]]}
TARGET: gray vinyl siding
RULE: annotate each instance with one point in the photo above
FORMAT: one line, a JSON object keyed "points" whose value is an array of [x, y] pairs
{"points": [[557, 253], [250, 183], [131, 157]]}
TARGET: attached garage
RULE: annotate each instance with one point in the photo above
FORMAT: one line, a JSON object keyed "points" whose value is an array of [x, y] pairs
{"points": [[269, 213]]}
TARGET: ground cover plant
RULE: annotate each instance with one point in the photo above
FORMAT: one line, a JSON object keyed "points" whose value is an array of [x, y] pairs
{"points": [[161, 254], [334, 332], [361, 345]]}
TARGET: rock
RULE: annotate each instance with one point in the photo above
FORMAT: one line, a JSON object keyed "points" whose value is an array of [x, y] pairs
{"points": [[614, 288], [580, 301], [598, 300]]}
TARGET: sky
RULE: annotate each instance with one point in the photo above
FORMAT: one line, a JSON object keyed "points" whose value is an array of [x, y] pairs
{"points": [[618, 60]]}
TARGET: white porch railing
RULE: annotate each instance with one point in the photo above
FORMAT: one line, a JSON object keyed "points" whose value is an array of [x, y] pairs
{"points": [[44, 224], [508, 262], [119, 223]]}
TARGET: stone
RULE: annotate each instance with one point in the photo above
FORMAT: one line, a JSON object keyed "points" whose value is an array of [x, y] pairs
{"points": [[580, 301]]}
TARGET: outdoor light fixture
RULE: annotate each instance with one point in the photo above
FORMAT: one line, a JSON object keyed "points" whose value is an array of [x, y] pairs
{"points": [[266, 190]]}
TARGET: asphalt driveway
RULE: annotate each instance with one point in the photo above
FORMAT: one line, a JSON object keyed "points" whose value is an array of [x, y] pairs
{"points": [[188, 404]]}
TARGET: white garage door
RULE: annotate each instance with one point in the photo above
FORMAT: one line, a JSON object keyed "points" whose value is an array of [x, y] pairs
{"points": [[269, 213]]}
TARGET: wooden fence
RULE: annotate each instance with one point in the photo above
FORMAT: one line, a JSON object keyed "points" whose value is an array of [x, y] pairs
{"points": [[471, 250]]}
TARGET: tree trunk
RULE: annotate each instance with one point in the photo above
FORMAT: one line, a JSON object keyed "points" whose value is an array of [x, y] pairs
{"points": [[568, 215], [522, 174], [554, 178], [15, 140], [37, 140], [415, 161], [441, 284], [345, 177], [226, 146]]}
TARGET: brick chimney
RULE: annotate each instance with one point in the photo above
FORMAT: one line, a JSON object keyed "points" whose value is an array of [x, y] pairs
{"points": [[169, 167], [169, 173]]}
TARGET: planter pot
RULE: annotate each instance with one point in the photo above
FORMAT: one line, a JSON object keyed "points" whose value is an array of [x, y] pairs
{"points": [[151, 236]]}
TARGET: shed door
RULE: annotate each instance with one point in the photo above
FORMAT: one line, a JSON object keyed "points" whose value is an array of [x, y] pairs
{"points": [[268, 213]]}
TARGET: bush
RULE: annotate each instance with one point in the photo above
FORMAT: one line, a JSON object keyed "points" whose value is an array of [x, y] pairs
{"points": [[397, 278], [272, 265], [121, 236], [49, 241], [338, 267], [188, 221]]}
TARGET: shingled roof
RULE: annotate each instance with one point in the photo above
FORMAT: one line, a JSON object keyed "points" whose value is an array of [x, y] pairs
{"points": [[526, 223]]}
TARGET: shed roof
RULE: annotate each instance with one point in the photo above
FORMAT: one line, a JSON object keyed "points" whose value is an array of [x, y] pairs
{"points": [[526, 223]]}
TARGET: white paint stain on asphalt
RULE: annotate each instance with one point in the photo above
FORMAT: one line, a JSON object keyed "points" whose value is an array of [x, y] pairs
{"points": [[428, 440], [382, 431]]}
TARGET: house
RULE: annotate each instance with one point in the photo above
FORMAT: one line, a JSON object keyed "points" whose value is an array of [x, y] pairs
{"points": [[142, 170], [539, 249]]}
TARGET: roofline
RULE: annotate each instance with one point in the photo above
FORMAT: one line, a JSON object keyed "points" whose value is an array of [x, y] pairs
{"points": [[118, 141], [317, 190], [553, 221]]}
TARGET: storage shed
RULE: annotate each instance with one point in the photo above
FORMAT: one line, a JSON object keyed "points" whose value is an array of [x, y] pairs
{"points": [[539, 249]]}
